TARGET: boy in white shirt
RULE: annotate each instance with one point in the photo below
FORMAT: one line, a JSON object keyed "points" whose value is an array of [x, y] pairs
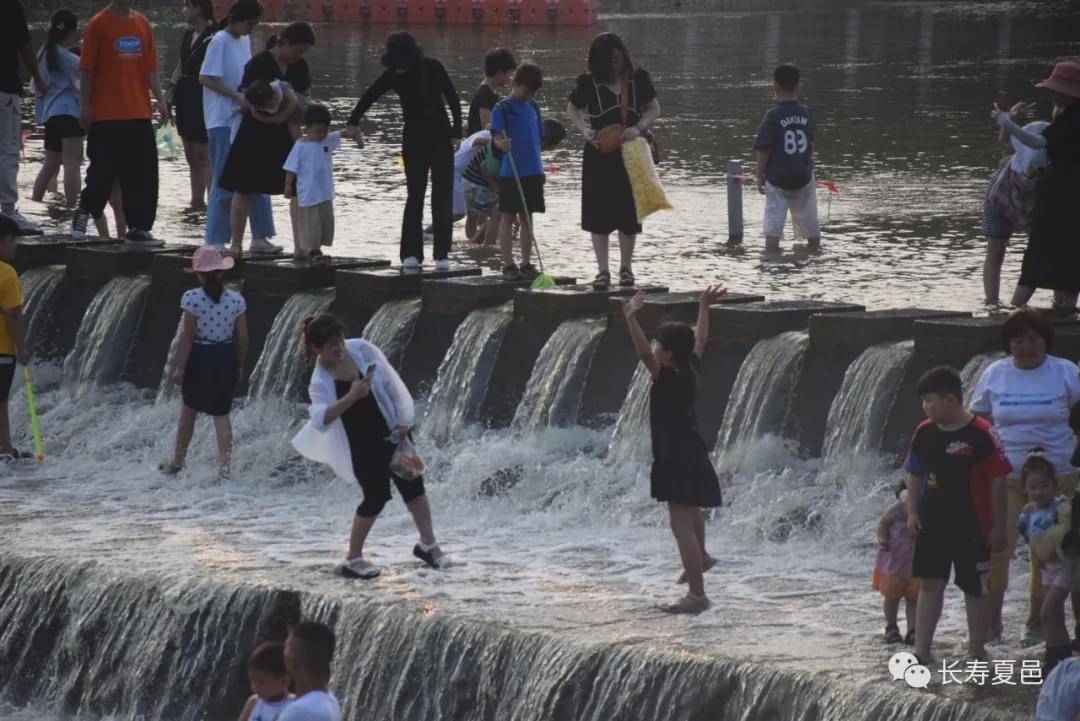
{"points": [[309, 177], [309, 651]]}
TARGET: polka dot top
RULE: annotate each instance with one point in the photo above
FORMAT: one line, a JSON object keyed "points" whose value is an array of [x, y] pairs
{"points": [[213, 321]]}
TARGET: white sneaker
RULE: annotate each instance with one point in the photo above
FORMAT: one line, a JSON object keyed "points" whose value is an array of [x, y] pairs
{"points": [[442, 264], [262, 245], [358, 568], [411, 263], [25, 224]]}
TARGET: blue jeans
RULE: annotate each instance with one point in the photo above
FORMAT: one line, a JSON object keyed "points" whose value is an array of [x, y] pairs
{"points": [[218, 231]]}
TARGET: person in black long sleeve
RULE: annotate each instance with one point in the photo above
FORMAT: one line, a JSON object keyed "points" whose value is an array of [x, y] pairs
{"points": [[424, 89]]}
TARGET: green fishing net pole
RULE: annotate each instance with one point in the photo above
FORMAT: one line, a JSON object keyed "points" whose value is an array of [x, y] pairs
{"points": [[35, 423]]}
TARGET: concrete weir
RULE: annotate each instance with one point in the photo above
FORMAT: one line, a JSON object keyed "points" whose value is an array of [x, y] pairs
{"points": [[837, 339], [537, 313], [269, 282], [735, 328], [360, 292], [613, 365], [446, 302], [89, 268]]}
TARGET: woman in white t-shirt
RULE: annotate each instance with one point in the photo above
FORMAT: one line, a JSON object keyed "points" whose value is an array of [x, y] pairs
{"points": [[1027, 396], [213, 348], [220, 75]]}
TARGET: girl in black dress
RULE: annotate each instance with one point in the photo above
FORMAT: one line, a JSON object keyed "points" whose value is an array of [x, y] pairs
{"points": [[682, 474], [607, 200], [187, 95]]}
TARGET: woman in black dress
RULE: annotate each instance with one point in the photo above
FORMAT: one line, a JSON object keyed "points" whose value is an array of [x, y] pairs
{"points": [[607, 200], [258, 152], [1052, 257], [187, 95], [682, 474]]}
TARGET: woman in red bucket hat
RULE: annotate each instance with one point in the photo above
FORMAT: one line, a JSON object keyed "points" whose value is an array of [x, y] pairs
{"points": [[1052, 258]]}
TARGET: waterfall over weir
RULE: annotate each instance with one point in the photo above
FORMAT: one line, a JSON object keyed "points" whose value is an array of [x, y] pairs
{"points": [[630, 440], [762, 388], [859, 411], [105, 334], [464, 373], [39, 291], [553, 394], [278, 374], [392, 325], [62, 645]]}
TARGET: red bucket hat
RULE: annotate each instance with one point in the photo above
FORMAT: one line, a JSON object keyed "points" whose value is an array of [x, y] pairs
{"points": [[1065, 80]]}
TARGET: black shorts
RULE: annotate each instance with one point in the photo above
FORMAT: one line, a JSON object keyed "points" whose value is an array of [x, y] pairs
{"points": [[968, 556], [510, 197], [371, 466], [59, 127], [7, 375]]}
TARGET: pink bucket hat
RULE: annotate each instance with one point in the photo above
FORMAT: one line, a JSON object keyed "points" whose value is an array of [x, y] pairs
{"points": [[1065, 80], [208, 259]]}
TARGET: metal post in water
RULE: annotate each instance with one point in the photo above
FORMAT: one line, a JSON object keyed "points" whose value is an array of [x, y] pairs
{"points": [[734, 201]]}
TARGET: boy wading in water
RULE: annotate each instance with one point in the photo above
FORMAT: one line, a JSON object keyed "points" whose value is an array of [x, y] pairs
{"points": [[956, 507], [785, 164], [682, 474]]}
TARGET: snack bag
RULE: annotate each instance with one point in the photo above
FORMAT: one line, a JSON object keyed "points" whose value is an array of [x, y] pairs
{"points": [[406, 462], [649, 195]]}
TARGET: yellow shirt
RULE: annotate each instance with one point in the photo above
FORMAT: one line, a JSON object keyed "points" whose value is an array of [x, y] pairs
{"points": [[10, 297]]}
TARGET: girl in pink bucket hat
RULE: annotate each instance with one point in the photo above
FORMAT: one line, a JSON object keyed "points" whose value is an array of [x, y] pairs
{"points": [[213, 348], [1052, 258]]}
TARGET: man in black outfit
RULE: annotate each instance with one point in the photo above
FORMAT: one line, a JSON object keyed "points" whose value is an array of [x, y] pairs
{"points": [[422, 85]]}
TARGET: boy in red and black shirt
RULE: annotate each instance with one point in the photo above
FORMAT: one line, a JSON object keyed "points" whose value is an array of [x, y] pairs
{"points": [[956, 505]]}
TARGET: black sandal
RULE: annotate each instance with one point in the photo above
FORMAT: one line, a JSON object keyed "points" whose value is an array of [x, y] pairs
{"points": [[602, 280], [626, 278], [316, 257], [892, 635]]}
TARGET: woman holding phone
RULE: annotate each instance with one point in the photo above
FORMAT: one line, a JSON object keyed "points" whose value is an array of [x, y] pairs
{"points": [[360, 411]]}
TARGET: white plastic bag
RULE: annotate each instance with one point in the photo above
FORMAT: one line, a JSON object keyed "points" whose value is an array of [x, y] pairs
{"points": [[406, 463], [168, 142]]}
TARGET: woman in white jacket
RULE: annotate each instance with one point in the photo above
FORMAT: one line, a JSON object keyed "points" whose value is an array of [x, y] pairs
{"points": [[360, 409]]}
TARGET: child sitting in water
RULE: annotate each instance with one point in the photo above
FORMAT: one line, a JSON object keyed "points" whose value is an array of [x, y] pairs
{"points": [[309, 177], [892, 572], [269, 683], [682, 474], [1043, 524]]}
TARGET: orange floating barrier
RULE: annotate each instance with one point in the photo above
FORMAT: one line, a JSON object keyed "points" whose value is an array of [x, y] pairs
{"points": [[429, 12]]}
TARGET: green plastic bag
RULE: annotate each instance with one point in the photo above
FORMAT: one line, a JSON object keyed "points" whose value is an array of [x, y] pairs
{"points": [[168, 142]]}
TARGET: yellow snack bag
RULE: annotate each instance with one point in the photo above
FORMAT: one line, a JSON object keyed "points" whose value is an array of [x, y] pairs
{"points": [[649, 195]]}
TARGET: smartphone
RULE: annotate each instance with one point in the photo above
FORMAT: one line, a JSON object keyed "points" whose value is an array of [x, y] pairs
{"points": [[370, 372], [1002, 100]]}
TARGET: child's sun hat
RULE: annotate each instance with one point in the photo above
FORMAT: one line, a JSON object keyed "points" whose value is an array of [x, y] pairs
{"points": [[207, 259]]}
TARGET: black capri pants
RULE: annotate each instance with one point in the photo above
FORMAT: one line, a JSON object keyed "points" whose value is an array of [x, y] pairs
{"points": [[372, 470]]}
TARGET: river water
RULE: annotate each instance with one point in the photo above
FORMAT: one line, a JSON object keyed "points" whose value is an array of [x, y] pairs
{"points": [[572, 548], [901, 92]]}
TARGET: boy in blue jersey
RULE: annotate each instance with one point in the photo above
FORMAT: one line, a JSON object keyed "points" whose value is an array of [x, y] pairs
{"points": [[785, 164]]}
